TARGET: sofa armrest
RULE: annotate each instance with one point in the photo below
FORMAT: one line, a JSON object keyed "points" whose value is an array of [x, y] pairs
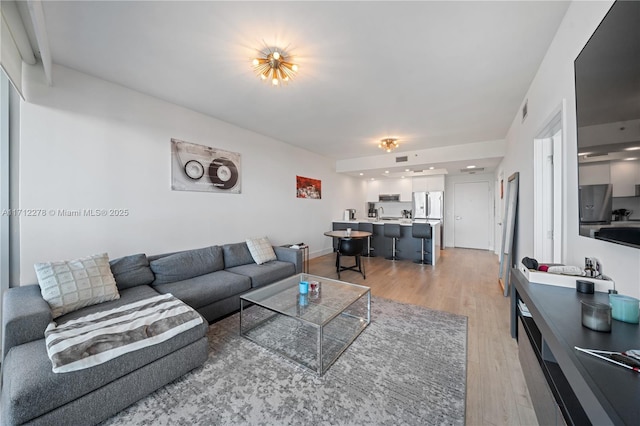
{"points": [[287, 254], [25, 316]]}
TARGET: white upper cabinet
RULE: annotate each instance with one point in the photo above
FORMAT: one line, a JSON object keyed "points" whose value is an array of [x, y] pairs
{"points": [[625, 175], [373, 190], [389, 186], [428, 183], [405, 189]]}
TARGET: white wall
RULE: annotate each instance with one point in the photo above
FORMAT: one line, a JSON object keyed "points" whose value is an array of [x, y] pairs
{"points": [[553, 83], [90, 144], [449, 208]]}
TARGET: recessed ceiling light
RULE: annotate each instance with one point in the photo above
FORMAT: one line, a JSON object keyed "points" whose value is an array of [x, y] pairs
{"points": [[631, 159], [361, 174], [406, 170], [386, 171], [431, 168], [471, 167], [632, 148]]}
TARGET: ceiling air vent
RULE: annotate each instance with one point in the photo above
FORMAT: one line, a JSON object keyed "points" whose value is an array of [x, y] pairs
{"points": [[402, 159]]}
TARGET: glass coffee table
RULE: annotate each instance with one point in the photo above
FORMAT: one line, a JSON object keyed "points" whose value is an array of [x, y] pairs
{"points": [[312, 329]]}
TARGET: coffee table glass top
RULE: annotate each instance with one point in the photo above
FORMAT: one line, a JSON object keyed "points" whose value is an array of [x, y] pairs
{"points": [[283, 297]]}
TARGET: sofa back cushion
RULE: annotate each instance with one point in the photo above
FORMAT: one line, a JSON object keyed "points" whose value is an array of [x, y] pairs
{"points": [[187, 264], [236, 254], [131, 271]]}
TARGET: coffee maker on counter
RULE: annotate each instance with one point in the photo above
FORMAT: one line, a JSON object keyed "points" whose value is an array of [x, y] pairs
{"points": [[373, 212]]}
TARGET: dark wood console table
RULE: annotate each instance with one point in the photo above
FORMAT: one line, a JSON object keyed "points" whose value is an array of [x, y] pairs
{"points": [[583, 389]]}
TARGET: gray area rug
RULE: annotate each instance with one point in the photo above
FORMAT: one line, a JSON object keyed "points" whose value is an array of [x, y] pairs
{"points": [[407, 367]]}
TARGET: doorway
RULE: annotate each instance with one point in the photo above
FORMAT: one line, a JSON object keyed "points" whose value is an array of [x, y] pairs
{"points": [[471, 225], [547, 231]]}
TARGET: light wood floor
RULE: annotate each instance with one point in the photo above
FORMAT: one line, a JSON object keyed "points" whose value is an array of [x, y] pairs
{"points": [[464, 282]]}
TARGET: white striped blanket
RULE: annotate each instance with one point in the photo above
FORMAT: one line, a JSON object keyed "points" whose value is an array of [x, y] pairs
{"points": [[100, 337]]}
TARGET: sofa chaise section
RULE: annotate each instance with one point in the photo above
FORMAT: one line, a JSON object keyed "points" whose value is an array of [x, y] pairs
{"points": [[32, 393]]}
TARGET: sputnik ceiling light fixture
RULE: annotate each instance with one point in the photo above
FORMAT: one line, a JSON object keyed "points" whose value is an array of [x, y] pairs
{"points": [[389, 144], [275, 65]]}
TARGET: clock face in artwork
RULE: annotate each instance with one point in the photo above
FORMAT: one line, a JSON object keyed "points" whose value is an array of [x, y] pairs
{"points": [[194, 169]]}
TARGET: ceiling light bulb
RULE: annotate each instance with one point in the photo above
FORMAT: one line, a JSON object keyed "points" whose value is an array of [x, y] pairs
{"points": [[294, 67], [262, 76], [276, 55], [256, 62], [274, 81]]}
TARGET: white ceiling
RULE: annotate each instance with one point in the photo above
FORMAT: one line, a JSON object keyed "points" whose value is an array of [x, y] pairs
{"points": [[429, 73]]}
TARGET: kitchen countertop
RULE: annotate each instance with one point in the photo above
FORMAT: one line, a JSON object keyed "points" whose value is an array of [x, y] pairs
{"points": [[402, 222]]}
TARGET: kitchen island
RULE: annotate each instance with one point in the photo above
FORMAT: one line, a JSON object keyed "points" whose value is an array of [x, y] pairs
{"points": [[407, 246]]}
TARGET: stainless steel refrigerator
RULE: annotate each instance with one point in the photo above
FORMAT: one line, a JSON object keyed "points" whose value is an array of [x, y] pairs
{"points": [[595, 203], [430, 205]]}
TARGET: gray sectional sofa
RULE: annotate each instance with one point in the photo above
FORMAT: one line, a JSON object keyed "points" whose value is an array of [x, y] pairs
{"points": [[210, 280]]}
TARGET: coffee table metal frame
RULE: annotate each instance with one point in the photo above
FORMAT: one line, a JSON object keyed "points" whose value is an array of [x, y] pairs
{"points": [[337, 316]]}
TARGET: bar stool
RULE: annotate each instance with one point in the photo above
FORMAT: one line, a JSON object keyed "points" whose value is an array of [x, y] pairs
{"points": [[392, 230], [422, 231], [350, 247], [367, 227]]}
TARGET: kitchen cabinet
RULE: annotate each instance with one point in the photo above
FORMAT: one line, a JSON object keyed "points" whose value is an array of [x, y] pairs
{"points": [[625, 175], [428, 183], [373, 190], [389, 186]]}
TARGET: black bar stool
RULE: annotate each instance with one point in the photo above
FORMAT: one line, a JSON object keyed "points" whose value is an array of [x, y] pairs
{"points": [[392, 230], [422, 231], [367, 227]]}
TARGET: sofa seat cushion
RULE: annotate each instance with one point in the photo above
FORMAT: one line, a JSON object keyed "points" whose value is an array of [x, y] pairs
{"points": [[206, 289], [32, 389], [187, 264], [266, 273]]}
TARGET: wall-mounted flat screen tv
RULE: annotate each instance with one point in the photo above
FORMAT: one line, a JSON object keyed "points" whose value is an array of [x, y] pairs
{"points": [[607, 83]]}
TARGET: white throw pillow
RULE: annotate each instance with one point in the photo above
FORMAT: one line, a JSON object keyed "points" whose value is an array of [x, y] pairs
{"points": [[73, 284], [261, 250]]}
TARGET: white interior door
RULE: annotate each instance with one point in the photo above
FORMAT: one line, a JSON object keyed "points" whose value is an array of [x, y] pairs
{"points": [[471, 215]]}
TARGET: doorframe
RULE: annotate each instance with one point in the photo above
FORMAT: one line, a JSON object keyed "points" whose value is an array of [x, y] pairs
{"points": [[549, 140]]}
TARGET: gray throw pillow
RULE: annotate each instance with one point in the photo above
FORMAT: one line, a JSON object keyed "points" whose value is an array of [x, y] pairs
{"points": [[187, 264], [131, 271]]}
